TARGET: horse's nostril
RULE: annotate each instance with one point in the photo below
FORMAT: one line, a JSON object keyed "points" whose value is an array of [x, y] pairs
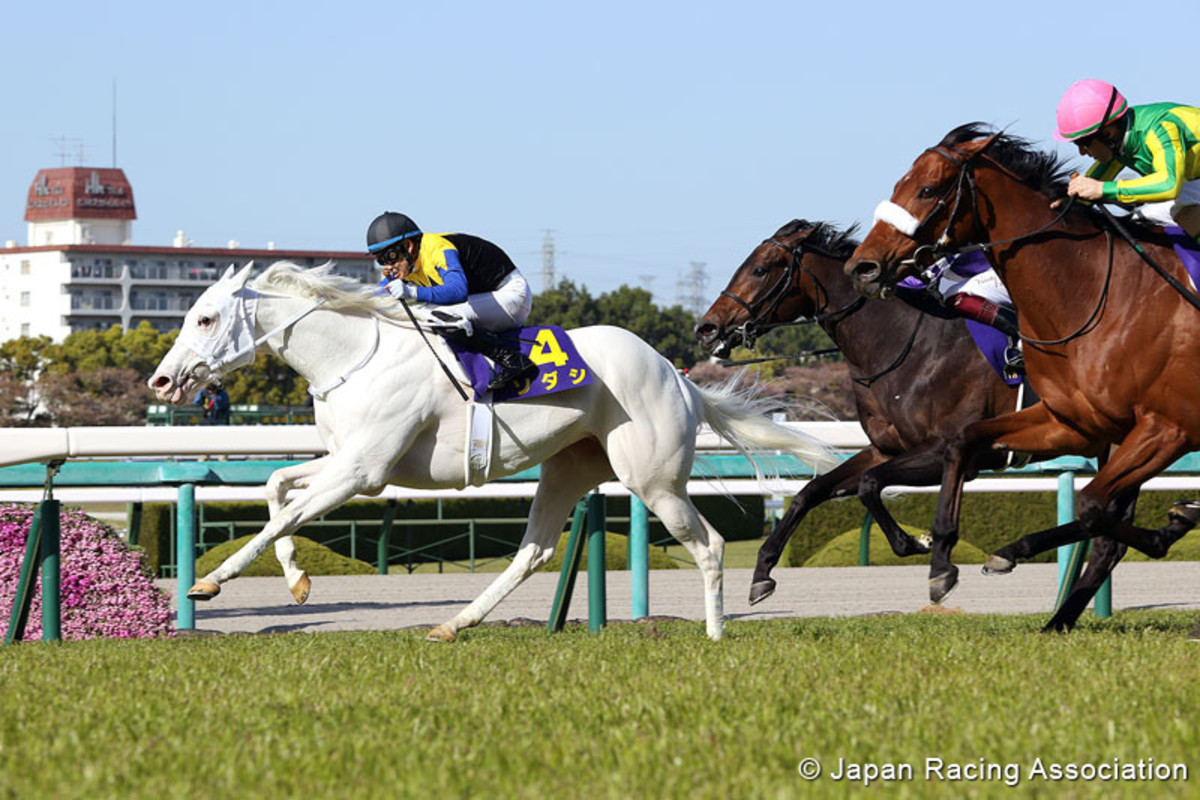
{"points": [[160, 382]]}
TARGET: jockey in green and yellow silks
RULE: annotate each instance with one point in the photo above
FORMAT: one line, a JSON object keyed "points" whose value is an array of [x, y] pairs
{"points": [[1159, 141]]}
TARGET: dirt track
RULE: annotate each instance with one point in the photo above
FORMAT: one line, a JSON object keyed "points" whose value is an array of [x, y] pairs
{"points": [[403, 601]]}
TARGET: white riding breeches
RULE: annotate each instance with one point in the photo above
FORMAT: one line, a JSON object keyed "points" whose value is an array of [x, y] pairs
{"points": [[506, 307], [985, 284], [1164, 213]]}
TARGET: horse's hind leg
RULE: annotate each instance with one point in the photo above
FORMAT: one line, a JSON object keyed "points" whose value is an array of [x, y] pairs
{"points": [[566, 477], [838, 482], [677, 513]]}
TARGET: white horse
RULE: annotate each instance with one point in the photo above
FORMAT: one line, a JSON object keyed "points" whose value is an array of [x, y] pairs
{"points": [[388, 413]]}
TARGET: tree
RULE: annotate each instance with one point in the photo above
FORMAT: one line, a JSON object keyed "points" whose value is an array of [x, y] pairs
{"points": [[667, 331], [103, 396]]}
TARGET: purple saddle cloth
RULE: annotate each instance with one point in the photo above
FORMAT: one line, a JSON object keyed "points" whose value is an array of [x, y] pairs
{"points": [[560, 366], [991, 342], [1185, 247]]}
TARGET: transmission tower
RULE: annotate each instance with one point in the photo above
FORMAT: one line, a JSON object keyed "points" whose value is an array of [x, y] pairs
{"points": [[691, 288], [648, 283], [548, 278]]}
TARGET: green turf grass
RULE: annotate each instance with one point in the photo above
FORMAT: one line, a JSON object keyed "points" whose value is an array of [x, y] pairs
{"points": [[639, 710]]}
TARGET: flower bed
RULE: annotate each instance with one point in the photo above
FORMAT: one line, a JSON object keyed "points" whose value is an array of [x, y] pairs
{"points": [[106, 590]]}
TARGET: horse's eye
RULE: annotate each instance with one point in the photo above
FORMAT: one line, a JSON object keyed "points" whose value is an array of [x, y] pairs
{"points": [[926, 192], [204, 322], [760, 271]]}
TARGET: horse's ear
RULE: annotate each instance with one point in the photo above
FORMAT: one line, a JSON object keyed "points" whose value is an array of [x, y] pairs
{"points": [[240, 277]]}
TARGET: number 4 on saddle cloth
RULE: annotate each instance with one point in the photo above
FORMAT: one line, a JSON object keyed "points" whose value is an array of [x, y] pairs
{"points": [[560, 366]]}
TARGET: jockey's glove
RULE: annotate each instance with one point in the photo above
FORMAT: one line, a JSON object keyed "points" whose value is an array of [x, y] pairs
{"points": [[402, 290]]}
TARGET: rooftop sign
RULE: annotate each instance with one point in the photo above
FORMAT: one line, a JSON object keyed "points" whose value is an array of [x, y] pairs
{"points": [[79, 193]]}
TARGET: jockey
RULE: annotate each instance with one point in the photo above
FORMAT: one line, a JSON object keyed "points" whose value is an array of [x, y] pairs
{"points": [[971, 288], [478, 287], [1159, 141]]}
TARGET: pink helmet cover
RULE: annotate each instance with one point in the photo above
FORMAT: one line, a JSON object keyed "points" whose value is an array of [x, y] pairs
{"points": [[1081, 111]]}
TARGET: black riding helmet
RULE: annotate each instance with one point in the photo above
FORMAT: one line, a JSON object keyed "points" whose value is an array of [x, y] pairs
{"points": [[387, 231]]}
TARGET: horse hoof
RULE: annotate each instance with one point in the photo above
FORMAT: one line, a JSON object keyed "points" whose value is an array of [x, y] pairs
{"points": [[941, 586], [203, 590], [998, 565], [302, 588], [441, 633], [1186, 512], [925, 541], [761, 590]]}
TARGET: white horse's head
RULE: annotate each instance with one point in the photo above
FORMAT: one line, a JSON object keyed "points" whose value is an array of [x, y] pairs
{"points": [[217, 336]]}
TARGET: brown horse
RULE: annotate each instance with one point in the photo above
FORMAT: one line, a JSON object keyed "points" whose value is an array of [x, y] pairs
{"points": [[1110, 346], [912, 399]]}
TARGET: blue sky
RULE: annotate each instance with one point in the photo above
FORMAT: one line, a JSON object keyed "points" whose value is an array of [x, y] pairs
{"points": [[645, 135]]}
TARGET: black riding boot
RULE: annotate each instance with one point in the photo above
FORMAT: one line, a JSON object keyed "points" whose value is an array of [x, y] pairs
{"points": [[1000, 317], [511, 363]]}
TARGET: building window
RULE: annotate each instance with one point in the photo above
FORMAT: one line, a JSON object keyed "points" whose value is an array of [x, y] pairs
{"points": [[24, 298], [24, 267], [24, 328]]}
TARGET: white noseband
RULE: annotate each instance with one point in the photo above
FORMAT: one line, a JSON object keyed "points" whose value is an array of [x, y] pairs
{"points": [[898, 217]]}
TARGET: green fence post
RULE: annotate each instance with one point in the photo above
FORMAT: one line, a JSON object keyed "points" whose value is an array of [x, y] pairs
{"points": [[185, 556], [864, 541], [570, 566], [385, 538], [51, 573], [639, 556], [133, 523], [1066, 514], [597, 591], [1104, 599], [23, 599]]}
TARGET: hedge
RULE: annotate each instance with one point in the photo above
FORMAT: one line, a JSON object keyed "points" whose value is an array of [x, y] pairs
{"points": [[313, 558], [736, 519]]}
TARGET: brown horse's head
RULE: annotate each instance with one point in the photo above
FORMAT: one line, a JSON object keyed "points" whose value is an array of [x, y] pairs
{"points": [[783, 279], [932, 207]]}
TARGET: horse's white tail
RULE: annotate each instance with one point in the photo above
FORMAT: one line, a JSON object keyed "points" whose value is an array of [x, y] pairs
{"points": [[739, 417]]}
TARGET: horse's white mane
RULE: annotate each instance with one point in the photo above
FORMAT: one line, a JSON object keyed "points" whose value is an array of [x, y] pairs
{"points": [[322, 283]]}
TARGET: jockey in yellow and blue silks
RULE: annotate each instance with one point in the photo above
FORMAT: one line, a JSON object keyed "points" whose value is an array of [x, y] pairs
{"points": [[478, 288], [1159, 141]]}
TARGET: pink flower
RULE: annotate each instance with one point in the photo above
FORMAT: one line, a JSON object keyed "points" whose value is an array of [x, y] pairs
{"points": [[106, 590]]}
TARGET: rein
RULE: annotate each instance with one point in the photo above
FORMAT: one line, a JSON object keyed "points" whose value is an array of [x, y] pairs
{"points": [[940, 250]]}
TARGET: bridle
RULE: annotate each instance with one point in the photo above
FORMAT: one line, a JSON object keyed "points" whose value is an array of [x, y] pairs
{"points": [[766, 306], [910, 227]]}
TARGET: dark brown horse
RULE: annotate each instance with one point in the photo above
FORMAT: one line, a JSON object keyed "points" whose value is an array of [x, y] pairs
{"points": [[913, 395], [1110, 346]]}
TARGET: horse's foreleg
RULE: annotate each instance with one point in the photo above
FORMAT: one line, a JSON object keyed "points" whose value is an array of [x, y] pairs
{"points": [[339, 481], [1106, 554], [1031, 430], [838, 482], [279, 484], [921, 466], [565, 478]]}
